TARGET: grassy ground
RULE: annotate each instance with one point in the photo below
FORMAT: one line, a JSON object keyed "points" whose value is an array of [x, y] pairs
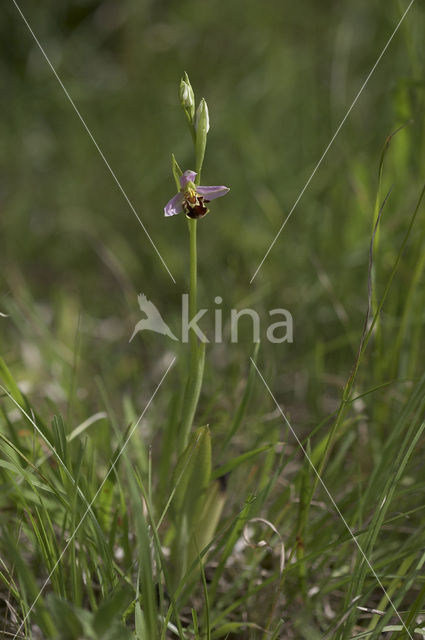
{"points": [[99, 545]]}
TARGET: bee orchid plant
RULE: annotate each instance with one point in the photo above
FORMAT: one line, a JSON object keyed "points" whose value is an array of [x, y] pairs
{"points": [[199, 499]]}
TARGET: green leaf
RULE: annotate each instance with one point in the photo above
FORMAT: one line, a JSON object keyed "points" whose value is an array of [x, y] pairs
{"points": [[177, 172], [144, 557], [117, 632], [112, 608], [29, 588], [10, 383], [71, 622], [230, 542], [191, 395], [191, 478], [192, 474], [140, 624], [232, 628], [209, 518], [236, 462]]}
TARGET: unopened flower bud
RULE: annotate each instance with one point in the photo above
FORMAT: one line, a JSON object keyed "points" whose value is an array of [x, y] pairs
{"points": [[187, 98], [202, 125], [202, 118], [186, 95]]}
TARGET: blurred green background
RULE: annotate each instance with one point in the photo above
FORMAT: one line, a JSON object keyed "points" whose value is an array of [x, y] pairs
{"points": [[278, 78]]}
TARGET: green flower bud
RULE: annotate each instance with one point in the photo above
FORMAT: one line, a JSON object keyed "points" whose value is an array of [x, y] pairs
{"points": [[202, 119], [202, 125], [187, 97]]}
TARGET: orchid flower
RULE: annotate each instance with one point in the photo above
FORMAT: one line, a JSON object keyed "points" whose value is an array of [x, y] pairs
{"points": [[192, 199]]}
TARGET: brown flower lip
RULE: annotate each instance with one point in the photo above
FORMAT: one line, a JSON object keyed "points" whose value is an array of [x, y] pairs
{"points": [[194, 205]]}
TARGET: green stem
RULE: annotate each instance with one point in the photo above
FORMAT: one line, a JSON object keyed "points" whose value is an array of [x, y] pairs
{"points": [[193, 293], [197, 353]]}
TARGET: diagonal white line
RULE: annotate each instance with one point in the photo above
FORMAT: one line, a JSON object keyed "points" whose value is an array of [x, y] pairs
{"points": [[322, 157], [111, 468], [118, 183], [331, 498]]}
